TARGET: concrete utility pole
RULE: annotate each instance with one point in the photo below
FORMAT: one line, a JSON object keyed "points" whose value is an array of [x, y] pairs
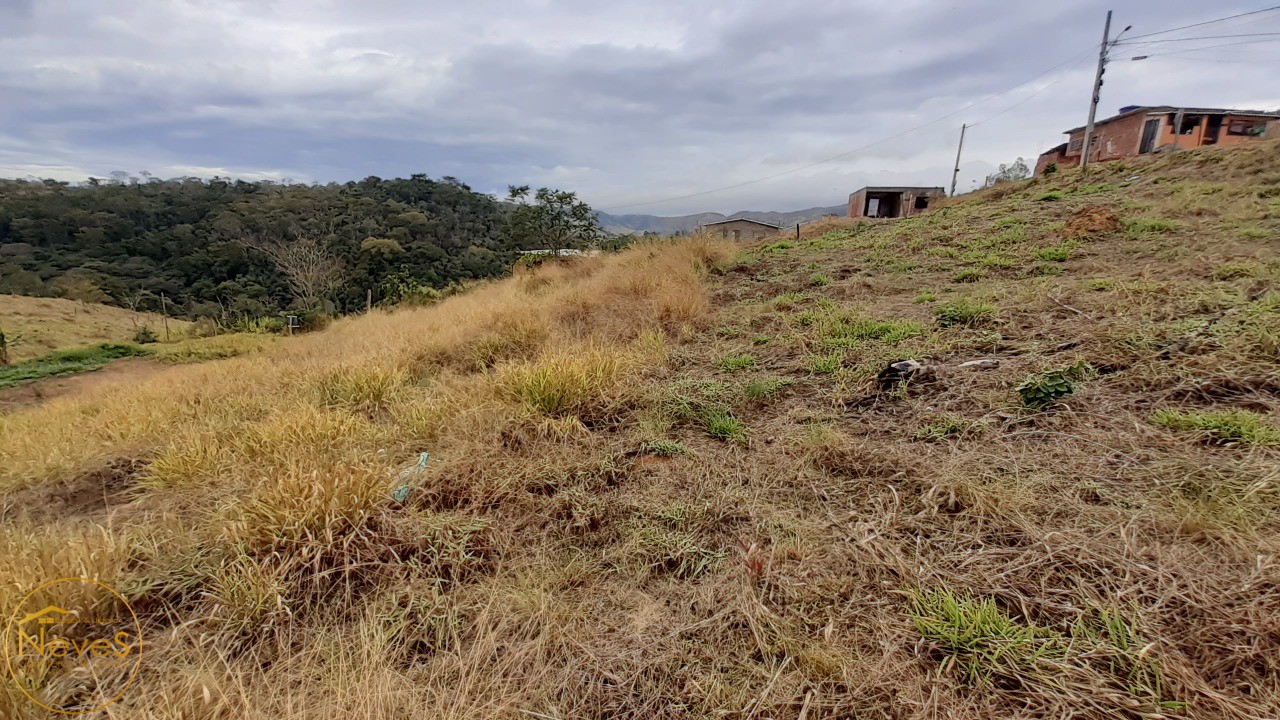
{"points": [[956, 173], [1097, 91]]}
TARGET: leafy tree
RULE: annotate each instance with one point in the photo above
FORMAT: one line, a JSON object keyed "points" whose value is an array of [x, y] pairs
{"points": [[1017, 170], [555, 220]]}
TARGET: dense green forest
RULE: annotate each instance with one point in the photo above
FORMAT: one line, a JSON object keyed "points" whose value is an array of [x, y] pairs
{"points": [[222, 248]]}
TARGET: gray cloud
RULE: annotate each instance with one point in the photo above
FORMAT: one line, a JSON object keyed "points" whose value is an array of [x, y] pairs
{"points": [[624, 102]]}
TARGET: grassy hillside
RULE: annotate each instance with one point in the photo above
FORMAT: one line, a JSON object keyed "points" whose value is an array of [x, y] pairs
{"points": [[679, 482], [37, 325]]}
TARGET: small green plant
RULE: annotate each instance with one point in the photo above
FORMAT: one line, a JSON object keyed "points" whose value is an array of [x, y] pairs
{"points": [[665, 448], [1138, 227], [979, 640], [1051, 196], [819, 280], [825, 364], [925, 296], [730, 363], [1008, 222], [1221, 427], [720, 423], [1050, 169], [786, 301], [1056, 253], [1233, 271], [945, 427], [999, 261], [1254, 232], [144, 336], [761, 340], [1269, 191], [846, 332], [763, 388], [1046, 270], [963, 312], [966, 275], [777, 247], [1046, 388]]}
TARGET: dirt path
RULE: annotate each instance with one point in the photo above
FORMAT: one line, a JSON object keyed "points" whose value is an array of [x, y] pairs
{"points": [[36, 392]]}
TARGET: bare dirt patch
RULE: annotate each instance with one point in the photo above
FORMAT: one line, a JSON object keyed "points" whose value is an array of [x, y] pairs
{"points": [[89, 495]]}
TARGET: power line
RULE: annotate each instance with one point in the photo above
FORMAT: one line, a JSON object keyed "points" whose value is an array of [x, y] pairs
{"points": [[1209, 47], [857, 149], [1193, 39], [1206, 22]]}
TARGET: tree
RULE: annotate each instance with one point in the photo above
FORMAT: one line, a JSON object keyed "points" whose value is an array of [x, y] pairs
{"points": [[1017, 170], [555, 220], [81, 288], [310, 270]]}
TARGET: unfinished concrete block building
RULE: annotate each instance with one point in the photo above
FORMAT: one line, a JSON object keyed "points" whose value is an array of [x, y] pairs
{"points": [[890, 202]]}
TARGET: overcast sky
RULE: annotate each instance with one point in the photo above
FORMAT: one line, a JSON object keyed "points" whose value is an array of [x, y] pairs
{"points": [[625, 101]]}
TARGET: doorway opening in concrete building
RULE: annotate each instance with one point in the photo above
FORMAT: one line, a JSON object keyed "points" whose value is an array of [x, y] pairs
{"points": [[883, 204]]}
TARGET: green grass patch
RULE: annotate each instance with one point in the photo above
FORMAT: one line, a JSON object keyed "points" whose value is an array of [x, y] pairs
{"points": [[764, 388], [925, 296], [66, 362], [1137, 227], [980, 641], [966, 275], [1055, 253], [848, 332], [819, 280], [963, 312], [944, 427], [1221, 427], [1051, 196], [778, 247], [731, 363], [720, 424], [1046, 270], [825, 364]]}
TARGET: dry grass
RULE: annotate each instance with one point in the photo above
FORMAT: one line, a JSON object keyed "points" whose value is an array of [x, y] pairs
{"points": [[35, 326], [623, 517]]}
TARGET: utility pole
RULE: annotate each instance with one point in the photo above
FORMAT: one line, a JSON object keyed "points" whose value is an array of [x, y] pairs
{"points": [[956, 173], [1097, 91]]}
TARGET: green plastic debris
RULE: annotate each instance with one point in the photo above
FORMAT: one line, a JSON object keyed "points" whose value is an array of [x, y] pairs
{"points": [[407, 475]]}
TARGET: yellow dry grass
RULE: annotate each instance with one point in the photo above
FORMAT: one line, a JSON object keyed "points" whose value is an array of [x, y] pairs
{"points": [[36, 325]]}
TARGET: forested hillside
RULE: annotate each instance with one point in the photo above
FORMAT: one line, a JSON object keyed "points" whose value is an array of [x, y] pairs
{"points": [[192, 240]]}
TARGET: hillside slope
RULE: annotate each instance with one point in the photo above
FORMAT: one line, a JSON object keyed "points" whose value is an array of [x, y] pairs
{"points": [[38, 325], [677, 482]]}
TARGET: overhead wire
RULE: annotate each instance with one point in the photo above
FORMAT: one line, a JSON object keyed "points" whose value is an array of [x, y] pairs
{"points": [[1206, 22]]}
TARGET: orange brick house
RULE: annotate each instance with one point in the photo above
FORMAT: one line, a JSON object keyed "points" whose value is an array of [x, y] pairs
{"points": [[1140, 129]]}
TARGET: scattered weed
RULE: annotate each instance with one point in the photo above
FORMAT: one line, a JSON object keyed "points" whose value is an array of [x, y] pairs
{"points": [[1221, 427], [731, 363], [966, 275], [1050, 196], [819, 280], [721, 424], [963, 312], [665, 448], [762, 388], [825, 364]]}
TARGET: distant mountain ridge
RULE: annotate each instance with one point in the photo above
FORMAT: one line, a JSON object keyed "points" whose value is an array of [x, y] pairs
{"points": [[630, 224]]}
